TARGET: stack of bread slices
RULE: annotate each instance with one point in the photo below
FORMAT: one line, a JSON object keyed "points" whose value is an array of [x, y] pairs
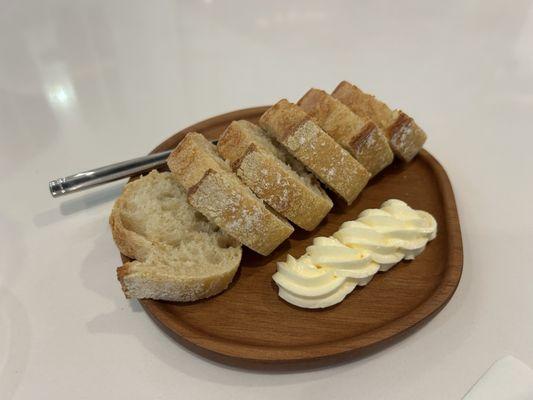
{"points": [[184, 229]]}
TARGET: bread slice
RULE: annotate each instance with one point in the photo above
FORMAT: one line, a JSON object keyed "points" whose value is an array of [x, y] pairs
{"points": [[359, 135], [178, 255], [192, 157], [274, 175], [405, 137], [220, 196], [307, 142]]}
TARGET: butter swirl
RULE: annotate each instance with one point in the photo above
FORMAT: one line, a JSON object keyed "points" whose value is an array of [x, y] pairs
{"points": [[333, 266], [306, 285], [329, 253], [389, 234]]}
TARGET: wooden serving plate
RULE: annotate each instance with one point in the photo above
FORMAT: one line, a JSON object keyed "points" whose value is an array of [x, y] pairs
{"points": [[248, 325]]}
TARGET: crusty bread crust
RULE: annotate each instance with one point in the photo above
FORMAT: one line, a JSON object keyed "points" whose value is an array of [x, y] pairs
{"points": [[405, 137], [130, 243], [359, 135], [271, 179], [364, 104], [163, 286], [282, 191], [308, 143], [192, 157], [233, 142], [234, 208], [122, 272]]}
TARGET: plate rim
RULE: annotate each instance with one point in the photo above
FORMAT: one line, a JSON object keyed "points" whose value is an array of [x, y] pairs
{"points": [[249, 356]]}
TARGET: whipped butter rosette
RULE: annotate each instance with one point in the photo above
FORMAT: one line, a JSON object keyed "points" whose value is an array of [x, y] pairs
{"points": [[308, 286], [333, 266]]}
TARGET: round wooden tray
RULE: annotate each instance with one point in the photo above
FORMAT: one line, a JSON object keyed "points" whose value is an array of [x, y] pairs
{"points": [[248, 325]]}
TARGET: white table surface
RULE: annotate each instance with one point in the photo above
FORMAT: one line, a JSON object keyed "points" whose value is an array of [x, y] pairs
{"points": [[86, 83]]}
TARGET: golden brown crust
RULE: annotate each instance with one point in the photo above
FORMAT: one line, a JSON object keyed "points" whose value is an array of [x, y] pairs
{"points": [[364, 104], [192, 158], [308, 143], [193, 189], [238, 212], [121, 274], [283, 118], [232, 143], [405, 137], [138, 281], [315, 103], [371, 148], [364, 133], [236, 164], [281, 190], [360, 136]]}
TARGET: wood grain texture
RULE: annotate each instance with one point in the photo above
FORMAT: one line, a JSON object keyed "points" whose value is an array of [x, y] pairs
{"points": [[249, 326]]}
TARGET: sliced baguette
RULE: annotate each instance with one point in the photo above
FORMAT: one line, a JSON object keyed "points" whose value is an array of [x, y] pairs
{"points": [[265, 168], [192, 157], [215, 191], [405, 137], [178, 254], [359, 135], [307, 142]]}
